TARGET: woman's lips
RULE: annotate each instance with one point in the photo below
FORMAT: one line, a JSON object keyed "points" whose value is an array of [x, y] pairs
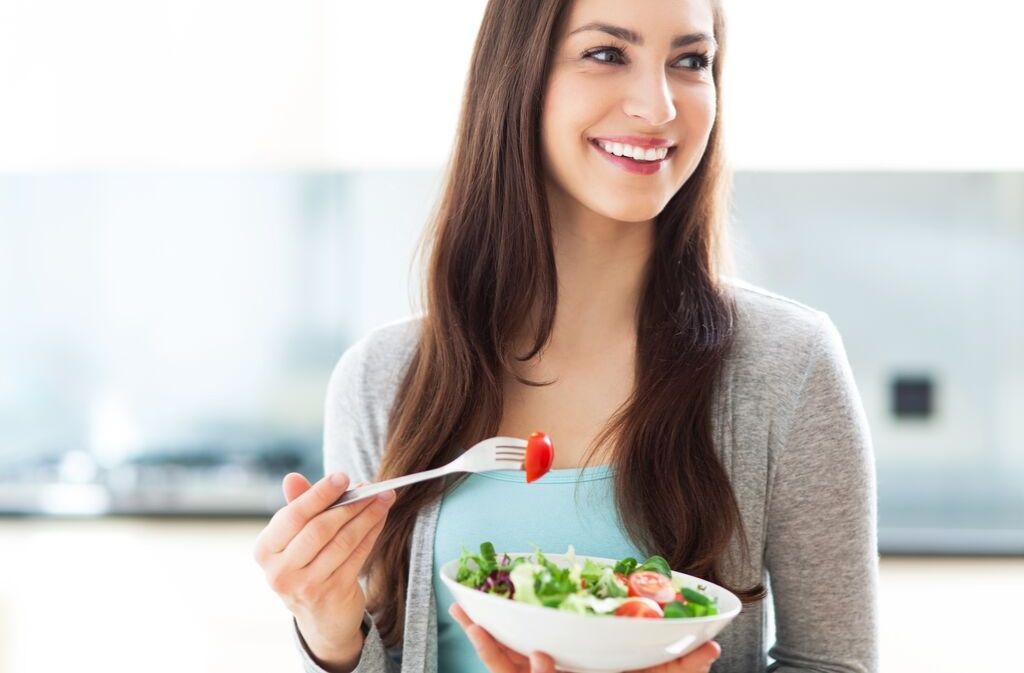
{"points": [[631, 165]]}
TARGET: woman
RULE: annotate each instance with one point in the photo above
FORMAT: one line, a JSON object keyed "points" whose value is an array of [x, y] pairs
{"points": [[709, 421]]}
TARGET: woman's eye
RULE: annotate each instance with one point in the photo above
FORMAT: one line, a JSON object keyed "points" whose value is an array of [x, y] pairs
{"points": [[602, 50], [700, 61], [697, 61]]}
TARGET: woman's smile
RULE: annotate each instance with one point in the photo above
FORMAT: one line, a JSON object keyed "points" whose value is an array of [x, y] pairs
{"points": [[635, 166]]}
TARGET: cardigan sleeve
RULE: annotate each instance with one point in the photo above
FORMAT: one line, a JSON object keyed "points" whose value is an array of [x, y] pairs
{"points": [[821, 539], [374, 658], [351, 446]]}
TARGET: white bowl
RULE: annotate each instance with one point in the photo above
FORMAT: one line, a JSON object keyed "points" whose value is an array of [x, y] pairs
{"points": [[591, 643]]}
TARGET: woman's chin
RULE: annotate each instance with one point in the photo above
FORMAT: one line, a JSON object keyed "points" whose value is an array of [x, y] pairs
{"points": [[629, 210]]}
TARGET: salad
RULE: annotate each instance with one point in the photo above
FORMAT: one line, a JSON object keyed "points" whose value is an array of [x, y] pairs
{"points": [[627, 589]]}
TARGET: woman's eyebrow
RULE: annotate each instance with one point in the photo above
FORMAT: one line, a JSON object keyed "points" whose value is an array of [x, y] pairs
{"points": [[634, 38]]}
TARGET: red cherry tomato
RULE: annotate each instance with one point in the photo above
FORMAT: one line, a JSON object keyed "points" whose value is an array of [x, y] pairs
{"points": [[639, 607], [680, 598], [539, 456], [653, 585]]}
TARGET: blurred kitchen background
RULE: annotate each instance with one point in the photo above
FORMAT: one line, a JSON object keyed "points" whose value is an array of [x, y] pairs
{"points": [[202, 204]]}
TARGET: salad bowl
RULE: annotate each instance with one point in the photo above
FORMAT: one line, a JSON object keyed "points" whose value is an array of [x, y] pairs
{"points": [[583, 634]]}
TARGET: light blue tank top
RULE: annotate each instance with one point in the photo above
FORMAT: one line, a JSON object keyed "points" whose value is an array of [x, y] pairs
{"points": [[568, 506]]}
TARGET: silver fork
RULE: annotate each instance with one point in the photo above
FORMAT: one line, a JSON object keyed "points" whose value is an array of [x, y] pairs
{"points": [[496, 453]]}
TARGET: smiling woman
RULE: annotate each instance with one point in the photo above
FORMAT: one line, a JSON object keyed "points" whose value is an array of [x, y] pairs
{"points": [[609, 81], [577, 282]]}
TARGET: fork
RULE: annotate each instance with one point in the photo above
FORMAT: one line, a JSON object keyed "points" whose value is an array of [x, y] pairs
{"points": [[495, 453]]}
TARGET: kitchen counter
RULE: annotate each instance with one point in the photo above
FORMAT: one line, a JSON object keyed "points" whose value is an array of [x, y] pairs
{"points": [[119, 595]]}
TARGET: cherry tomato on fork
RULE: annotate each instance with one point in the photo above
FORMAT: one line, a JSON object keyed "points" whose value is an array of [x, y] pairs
{"points": [[539, 456]]}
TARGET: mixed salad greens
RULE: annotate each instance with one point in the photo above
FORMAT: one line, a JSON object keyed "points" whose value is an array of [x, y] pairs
{"points": [[627, 589]]}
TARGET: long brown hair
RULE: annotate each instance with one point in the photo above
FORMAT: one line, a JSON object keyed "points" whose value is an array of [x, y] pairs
{"points": [[492, 266]]}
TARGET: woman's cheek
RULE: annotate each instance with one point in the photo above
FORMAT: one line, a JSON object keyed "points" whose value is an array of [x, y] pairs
{"points": [[700, 114], [700, 107]]}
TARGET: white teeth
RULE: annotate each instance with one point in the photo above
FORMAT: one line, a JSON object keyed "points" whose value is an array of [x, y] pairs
{"points": [[636, 153]]}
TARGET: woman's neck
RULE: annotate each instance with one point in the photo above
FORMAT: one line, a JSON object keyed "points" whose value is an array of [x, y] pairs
{"points": [[601, 269]]}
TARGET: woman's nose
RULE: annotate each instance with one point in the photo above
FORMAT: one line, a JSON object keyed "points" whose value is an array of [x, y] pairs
{"points": [[649, 97]]}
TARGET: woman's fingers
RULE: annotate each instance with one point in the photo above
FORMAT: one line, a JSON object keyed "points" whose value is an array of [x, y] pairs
{"points": [[342, 557], [459, 615], [707, 654], [519, 663], [320, 531], [302, 543], [293, 517], [698, 661], [494, 656], [354, 567], [294, 485], [484, 642], [541, 663]]}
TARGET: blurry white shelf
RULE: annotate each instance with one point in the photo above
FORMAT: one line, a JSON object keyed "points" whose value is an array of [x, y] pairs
{"points": [[948, 541], [186, 499]]}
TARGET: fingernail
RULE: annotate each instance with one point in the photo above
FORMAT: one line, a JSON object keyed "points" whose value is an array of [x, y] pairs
{"points": [[337, 479], [387, 496]]}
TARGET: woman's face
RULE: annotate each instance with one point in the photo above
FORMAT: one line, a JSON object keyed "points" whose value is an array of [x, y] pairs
{"points": [[606, 86]]}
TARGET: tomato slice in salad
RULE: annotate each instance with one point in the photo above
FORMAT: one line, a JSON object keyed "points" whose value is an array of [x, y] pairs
{"points": [[539, 456], [639, 607], [653, 585]]}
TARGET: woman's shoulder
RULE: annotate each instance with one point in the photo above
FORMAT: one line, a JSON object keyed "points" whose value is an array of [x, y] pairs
{"points": [[775, 334], [374, 362], [391, 341]]}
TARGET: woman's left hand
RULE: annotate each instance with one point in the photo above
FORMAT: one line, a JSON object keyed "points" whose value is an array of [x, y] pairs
{"points": [[500, 659]]}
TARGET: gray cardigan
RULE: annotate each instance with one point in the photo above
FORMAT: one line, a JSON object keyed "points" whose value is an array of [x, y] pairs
{"points": [[790, 430]]}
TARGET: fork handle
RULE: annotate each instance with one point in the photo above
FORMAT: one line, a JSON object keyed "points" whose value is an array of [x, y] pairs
{"points": [[370, 490]]}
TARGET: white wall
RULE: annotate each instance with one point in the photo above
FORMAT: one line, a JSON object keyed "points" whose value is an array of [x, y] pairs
{"points": [[876, 84], [109, 84], [325, 84]]}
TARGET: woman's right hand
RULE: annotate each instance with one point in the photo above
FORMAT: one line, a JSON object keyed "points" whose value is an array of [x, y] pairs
{"points": [[312, 558]]}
